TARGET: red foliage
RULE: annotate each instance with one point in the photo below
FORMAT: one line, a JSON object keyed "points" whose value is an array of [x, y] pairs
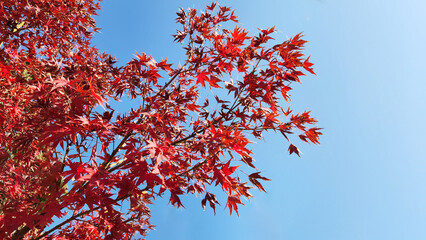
{"points": [[62, 156]]}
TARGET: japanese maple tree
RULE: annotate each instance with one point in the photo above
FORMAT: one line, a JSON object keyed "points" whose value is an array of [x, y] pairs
{"points": [[74, 168]]}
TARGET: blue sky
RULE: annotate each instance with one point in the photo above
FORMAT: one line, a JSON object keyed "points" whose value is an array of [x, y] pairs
{"points": [[367, 179]]}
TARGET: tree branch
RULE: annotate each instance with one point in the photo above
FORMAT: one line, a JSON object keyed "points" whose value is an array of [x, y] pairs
{"points": [[74, 217], [129, 134]]}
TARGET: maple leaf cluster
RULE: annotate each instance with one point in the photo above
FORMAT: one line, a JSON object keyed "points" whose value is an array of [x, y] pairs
{"points": [[97, 171]]}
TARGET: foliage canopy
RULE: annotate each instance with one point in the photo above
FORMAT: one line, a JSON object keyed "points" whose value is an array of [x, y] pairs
{"points": [[63, 156]]}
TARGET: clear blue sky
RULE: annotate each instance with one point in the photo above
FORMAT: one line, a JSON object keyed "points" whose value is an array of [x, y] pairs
{"points": [[367, 179]]}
